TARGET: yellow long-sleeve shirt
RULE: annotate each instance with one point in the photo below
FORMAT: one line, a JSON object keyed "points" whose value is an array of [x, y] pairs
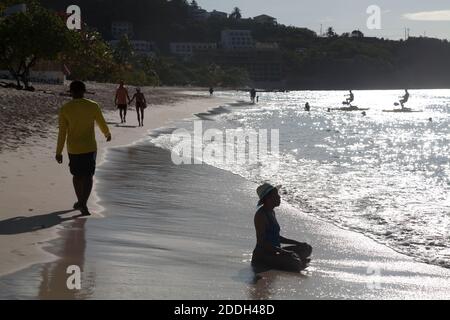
{"points": [[76, 123]]}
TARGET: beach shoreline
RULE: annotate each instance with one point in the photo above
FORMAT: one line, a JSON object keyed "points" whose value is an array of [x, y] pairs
{"points": [[31, 214], [156, 244], [186, 232]]}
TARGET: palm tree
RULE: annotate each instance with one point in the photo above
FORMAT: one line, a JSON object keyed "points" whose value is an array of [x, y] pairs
{"points": [[236, 14], [331, 33], [194, 4]]}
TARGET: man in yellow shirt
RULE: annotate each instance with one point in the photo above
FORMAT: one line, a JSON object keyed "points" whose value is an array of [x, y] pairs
{"points": [[77, 119]]}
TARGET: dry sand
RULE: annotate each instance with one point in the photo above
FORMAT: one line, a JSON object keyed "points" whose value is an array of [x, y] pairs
{"points": [[36, 193]]}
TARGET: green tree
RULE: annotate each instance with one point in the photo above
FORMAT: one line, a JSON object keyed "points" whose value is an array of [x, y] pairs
{"points": [[330, 33], [357, 34], [124, 51], [29, 37], [194, 4], [88, 56], [148, 65], [236, 14]]}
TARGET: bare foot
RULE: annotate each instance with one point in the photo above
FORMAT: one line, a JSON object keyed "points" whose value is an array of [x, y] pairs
{"points": [[85, 211]]}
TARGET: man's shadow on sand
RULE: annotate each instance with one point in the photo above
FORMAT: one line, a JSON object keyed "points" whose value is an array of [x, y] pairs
{"points": [[19, 225]]}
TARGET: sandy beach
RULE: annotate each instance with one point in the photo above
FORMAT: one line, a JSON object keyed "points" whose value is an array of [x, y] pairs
{"points": [[35, 192], [174, 232], [162, 231]]}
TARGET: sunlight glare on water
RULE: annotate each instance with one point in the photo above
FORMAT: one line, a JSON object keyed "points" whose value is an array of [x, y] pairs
{"points": [[383, 174]]}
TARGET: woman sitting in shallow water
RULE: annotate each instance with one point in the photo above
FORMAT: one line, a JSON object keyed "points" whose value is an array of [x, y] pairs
{"points": [[268, 252]]}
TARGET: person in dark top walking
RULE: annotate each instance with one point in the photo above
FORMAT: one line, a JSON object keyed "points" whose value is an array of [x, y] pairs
{"points": [[141, 104]]}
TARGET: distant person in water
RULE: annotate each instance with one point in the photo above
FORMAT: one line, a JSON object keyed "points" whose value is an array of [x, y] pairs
{"points": [[404, 98], [77, 120], [307, 107], [350, 98], [211, 91], [252, 95], [268, 252], [257, 99], [122, 99], [141, 104]]}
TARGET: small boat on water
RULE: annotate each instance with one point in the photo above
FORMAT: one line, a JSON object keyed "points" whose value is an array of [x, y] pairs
{"points": [[352, 108], [402, 110]]}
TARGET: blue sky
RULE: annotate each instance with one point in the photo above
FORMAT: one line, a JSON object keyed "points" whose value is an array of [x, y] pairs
{"points": [[430, 17]]}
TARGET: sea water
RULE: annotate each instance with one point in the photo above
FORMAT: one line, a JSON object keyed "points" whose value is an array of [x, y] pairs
{"points": [[385, 175]]}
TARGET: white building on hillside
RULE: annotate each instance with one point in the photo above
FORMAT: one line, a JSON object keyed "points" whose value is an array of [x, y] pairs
{"points": [[237, 39], [199, 14], [218, 14], [264, 18], [266, 45], [187, 49], [140, 47], [120, 28], [18, 8]]}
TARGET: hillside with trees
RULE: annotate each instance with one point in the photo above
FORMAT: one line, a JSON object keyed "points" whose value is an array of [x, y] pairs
{"points": [[309, 61]]}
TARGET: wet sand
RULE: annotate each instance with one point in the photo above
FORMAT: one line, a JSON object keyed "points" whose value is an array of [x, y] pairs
{"points": [[163, 231], [186, 232]]}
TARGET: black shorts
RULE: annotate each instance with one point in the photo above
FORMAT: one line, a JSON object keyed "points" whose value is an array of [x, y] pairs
{"points": [[122, 106], [82, 164]]}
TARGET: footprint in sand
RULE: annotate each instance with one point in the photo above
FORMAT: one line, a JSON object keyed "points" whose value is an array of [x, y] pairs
{"points": [[4, 177]]}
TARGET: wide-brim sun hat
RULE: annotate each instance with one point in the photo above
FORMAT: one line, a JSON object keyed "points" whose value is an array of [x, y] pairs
{"points": [[264, 189]]}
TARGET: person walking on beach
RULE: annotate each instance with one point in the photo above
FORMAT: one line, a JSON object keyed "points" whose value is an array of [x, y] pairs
{"points": [[268, 251], [252, 95], [122, 99], [211, 91], [141, 104], [77, 119]]}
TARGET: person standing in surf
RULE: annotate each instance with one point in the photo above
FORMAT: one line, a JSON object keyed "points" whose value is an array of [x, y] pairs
{"points": [[252, 95], [404, 98], [350, 98], [121, 101], [77, 120], [141, 104], [268, 251]]}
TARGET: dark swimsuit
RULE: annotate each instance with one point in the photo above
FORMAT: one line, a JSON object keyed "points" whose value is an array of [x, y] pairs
{"points": [[271, 234]]}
